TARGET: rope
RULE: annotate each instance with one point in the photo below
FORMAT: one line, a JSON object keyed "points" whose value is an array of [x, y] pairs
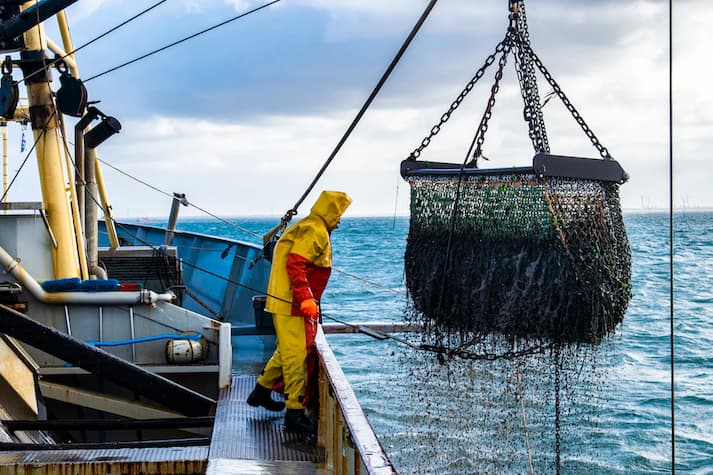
{"points": [[170, 45], [363, 109], [57, 60], [671, 234]]}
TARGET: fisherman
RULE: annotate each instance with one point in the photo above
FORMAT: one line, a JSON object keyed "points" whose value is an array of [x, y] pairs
{"points": [[301, 265]]}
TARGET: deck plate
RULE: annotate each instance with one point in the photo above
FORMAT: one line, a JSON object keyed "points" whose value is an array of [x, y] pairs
{"points": [[252, 436]]}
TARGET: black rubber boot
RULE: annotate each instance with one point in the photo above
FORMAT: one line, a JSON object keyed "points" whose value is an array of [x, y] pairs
{"points": [[297, 423], [262, 397]]}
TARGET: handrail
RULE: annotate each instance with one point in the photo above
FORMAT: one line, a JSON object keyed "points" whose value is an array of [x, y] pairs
{"points": [[360, 434]]}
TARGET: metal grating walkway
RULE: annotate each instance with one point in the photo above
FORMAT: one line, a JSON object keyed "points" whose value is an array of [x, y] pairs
{"points": [[125, 461], [245, 436]]}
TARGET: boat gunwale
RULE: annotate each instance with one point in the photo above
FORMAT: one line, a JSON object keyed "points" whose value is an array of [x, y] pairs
{"points": [[362, 434], [209, 237]]}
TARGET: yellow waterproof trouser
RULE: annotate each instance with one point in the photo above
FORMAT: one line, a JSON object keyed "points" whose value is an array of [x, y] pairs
{"points": [[289, 360]]}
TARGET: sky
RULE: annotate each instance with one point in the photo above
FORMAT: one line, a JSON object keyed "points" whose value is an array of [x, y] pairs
{"points": [[242, 118]]}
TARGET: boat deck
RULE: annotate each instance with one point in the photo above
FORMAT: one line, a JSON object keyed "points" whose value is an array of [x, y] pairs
{"points": [[251, 440], [245, 440]]}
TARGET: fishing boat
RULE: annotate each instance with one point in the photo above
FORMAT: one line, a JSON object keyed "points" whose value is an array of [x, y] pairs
{"points": [[118, 342]]}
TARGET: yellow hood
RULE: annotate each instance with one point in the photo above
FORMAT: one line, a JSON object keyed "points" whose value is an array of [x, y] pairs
{"points": [[330, 206]]}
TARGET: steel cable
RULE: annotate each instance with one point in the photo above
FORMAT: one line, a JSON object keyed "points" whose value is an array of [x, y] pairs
{"points": [[111, 30], [182, 40], [671, 235], [293, 211]]}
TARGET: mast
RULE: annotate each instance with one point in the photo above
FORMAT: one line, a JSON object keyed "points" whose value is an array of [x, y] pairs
{"points": [[53, 181]]}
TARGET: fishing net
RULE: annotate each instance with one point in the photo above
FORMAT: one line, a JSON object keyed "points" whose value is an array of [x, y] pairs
{"points": [[520, 256]]}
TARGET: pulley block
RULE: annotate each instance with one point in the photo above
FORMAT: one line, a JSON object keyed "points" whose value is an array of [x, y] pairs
{"points": [[71, 96]]}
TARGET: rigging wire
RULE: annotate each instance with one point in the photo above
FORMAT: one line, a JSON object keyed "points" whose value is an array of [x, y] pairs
{"points": [[240, 228], [193, 205], [671, 233], [177, 42], [441, 352], [396, 202], [362, 111], [17, 173], [111, 30]]}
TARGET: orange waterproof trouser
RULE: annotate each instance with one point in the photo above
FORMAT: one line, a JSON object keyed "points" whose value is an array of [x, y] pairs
{"points": [[288, 360]]}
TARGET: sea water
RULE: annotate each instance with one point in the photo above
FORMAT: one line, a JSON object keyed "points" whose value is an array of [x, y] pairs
{"points": [[467, 417]]}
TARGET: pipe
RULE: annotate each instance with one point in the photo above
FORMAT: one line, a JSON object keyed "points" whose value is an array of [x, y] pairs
{"points": [[92, 139], [178, 199], [68, 60], [11, 266], [87, 191], [79, 159]]}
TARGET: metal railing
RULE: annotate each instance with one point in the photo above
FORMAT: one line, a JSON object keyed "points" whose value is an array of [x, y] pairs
{"points": [[350, 444]]}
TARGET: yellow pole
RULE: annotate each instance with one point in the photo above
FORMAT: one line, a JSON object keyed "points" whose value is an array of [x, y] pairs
{"points": [[67, 40], [108, 215], [3, 124], [104, 196], [49, 163]]}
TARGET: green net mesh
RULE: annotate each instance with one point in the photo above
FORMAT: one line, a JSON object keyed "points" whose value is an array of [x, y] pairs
{"points": [[544, 258]]}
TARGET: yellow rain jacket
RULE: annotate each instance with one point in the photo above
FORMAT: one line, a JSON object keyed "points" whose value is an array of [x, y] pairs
{"points": [[292, 279], [301, 265]]}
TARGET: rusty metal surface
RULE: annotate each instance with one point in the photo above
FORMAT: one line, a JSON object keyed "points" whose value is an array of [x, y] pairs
{"points": [[175, 460], [242, 432]]}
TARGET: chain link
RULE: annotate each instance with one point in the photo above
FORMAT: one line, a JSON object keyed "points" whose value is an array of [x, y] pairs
{"points": [[483, 127], [447, 354], [570, 107], [456, 103], [532, 111], [517, 39]]}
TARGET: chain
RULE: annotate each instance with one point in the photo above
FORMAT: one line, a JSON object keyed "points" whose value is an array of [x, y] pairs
{"points": [[447, 354], [517, 37], [454, 105], [483, 127], [527, 109], [532, 111], [572, 110]]}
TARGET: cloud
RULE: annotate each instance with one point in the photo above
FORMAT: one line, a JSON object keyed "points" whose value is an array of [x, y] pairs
{"points": [[255, 107]]}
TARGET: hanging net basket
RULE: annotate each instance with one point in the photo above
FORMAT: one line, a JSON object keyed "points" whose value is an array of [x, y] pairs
{"points": [[536, 252], [523, 254]]}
